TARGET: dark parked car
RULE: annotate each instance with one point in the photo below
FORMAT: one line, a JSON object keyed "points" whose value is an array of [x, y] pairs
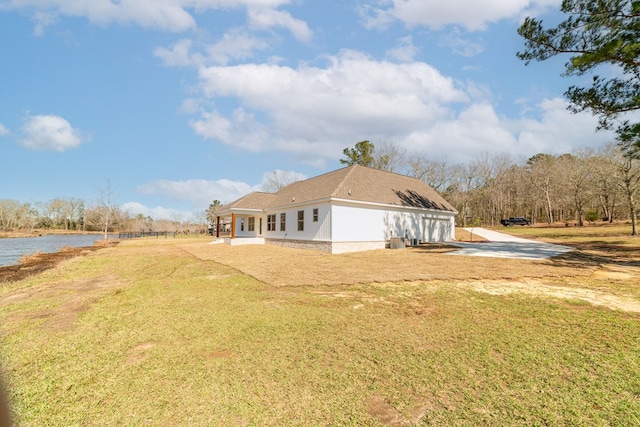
{"points": [[518, 220]]}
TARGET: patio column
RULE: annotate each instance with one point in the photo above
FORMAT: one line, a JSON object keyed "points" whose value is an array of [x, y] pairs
{"points": [[217, 227], [233, 226]]}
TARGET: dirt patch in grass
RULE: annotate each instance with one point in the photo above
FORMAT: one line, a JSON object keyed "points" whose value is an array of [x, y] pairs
{"points": [[139, 353], [538, 288], [380, 409], [64, 300]]}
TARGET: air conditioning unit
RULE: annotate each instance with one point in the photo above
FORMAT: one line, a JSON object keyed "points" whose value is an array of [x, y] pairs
{"points": [[396, 243]]}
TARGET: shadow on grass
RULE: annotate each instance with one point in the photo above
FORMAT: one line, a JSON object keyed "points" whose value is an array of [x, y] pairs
{"points": [[585, 255], [598, 253]]}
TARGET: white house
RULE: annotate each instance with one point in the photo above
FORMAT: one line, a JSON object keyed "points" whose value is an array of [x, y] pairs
{"points": [[351, 209]]}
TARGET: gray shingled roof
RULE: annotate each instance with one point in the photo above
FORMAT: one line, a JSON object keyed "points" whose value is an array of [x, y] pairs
{"points": [[357, 183]]}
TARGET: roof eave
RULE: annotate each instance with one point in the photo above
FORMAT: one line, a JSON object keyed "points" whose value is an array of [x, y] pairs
{"points": [[357, 202], [391, 205], [241, 211]]}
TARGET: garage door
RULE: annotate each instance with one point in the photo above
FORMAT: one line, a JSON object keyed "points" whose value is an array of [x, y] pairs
{"points": [[437, 230]]}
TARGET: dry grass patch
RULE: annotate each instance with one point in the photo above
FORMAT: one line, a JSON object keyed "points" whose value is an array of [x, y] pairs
{"points": [[280, 266]]}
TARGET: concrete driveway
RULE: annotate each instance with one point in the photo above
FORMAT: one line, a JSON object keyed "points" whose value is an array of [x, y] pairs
{"points": [[502, 245]]}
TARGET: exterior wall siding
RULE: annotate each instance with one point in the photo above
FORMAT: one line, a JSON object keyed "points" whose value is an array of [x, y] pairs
{"points": [[352, 223], [316, 231], [343, 227]]}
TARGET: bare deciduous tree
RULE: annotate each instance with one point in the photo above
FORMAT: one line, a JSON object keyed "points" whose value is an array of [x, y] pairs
{"points": [[607, 191], [278, 179], [543, 174], [435, 173], [627, 170], [577, 174], [106, 206], [389, 156]]}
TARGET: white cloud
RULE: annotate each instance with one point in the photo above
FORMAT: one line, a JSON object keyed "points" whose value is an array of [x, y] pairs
{"points": [[42, 19], [50, 133], [235, 45], [557, 130], [157, 213], [265, 18], [474, 130], [191, 106], [314, 111], [3, 130], [460, 45], [179, 54], [198, 192], [167, 15], [405, 51], [471, 14], [479, 129]]}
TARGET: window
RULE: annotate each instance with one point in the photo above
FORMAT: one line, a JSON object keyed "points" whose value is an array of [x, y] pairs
{"points": [[241, 224], [283, 222], [271, 222], [252, 224], [300, 220], [315, 215]]}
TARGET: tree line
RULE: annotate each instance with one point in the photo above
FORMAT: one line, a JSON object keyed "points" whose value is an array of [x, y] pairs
{"points": [[72, 214], [578, 188], [584, 186]]}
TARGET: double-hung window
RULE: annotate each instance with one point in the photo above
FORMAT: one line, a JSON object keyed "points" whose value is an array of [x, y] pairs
{"points": [[315, 215], [252, 223], [271, 222], [300, 220], [283, 222]]}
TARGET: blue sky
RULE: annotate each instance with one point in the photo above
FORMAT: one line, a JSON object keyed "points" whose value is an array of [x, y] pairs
{"points": [[176, 103]]}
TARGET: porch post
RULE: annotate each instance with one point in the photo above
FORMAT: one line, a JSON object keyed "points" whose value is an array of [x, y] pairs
{"points": [[217, 227], [233, 226]]}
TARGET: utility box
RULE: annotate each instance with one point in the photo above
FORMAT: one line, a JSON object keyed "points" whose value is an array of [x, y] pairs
{"points": [[396, 243]]}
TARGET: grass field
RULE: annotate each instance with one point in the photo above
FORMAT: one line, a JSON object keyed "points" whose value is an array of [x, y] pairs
{"points": [[179, 332]]}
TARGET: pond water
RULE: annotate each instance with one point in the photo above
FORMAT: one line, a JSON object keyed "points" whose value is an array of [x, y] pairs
{"points": [[12, 249]]}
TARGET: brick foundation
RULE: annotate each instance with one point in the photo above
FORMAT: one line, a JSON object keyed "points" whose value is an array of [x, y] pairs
{"points": [[328, 247]]}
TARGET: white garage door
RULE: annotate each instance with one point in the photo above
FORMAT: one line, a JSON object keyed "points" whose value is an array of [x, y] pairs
{"points": [[437, 230]]}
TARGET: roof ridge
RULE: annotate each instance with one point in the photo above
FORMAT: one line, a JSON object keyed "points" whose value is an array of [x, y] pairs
{"points": [[345, 178]]}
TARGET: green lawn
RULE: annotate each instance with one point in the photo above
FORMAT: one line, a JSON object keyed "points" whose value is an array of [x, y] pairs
{"points": [[150, 335]]}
